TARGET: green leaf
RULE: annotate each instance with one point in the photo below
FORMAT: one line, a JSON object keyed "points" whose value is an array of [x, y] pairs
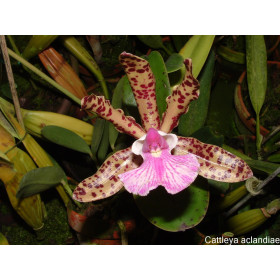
{"points": [[152, 41], [128, 97], [39, 180], [162, 81], [66, 138], [274, 157], [174, 63], [175, 212], [97, 135], [197, 48], [196, 116], [6, 91], [116, 103], [220, 187], [256, 70], [104, 145], [206, 135], [264, 166]]}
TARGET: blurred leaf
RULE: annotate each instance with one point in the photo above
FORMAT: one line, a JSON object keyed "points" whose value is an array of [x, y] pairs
{"points": [[256, 70], [179, 41], [220, 187], [152, 41], [39, 180], [272, 145], [4, 158], [104, 145], [117, 104], [3, 239], [231, 55], [37, 44], [175, 212], [206, 135], [65, 138], [6, 91], [274, 157], [264, 166], [128, 97], [162, 82], [236, 152], [97, 135], [220, 114], [196, 116], [174, 63], [197, 48]]}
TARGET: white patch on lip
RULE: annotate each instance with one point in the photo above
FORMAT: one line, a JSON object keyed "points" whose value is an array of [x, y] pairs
{"points": [[170, 138]]}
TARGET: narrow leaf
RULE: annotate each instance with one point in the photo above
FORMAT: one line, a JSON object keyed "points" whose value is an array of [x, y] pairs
{"points": [[128, 97], [162, 81], [206, 135], [104, 145], [197, 48], [4, 157], [39, 180], [117, 104], [264, 166], [97, 135], [256, 70], [65, 138], [152, 41]]}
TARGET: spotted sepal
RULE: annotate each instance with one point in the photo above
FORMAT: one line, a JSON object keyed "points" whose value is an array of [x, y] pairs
{"points": [[104, 109], [143, 85], [215, 162], [178, 102], [105, 182]]}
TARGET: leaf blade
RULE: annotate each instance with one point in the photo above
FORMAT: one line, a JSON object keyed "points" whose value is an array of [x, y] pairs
{"points": [[66, 138], [39, 180], [162, 81]]}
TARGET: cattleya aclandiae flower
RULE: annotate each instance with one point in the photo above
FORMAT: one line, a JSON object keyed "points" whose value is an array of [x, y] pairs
{"points": [[157, 158]]}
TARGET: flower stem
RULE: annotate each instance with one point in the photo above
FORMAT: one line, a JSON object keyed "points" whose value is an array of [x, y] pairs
{"points": [[43, 76], [11, 79]]}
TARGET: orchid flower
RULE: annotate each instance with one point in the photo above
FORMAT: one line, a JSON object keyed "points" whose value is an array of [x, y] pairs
{"points": [[157, 157]]}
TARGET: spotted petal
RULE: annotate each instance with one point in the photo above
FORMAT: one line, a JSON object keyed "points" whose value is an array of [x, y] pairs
{"points": [[122, 123], [178, 102], [142, 82], [215, 162], [175, 173], [105, 182]]}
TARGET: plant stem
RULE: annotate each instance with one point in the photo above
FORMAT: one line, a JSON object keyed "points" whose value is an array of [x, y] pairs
{"points": [[11, 79], [13, 44], [70, 193], [123, 232], [248, 196], [258, 137], [44, 76]]}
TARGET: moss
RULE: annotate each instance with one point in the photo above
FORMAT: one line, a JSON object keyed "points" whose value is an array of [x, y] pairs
{"points": [[56, 229]]}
